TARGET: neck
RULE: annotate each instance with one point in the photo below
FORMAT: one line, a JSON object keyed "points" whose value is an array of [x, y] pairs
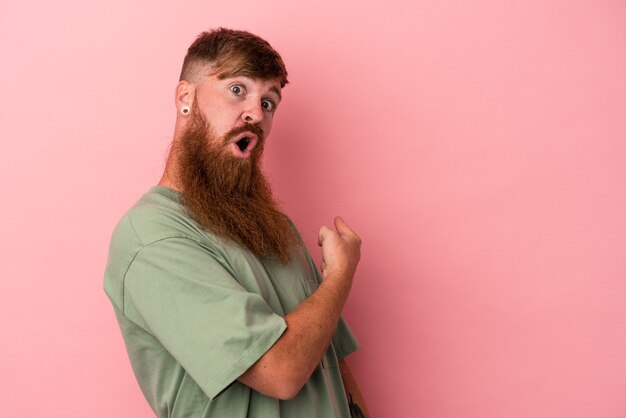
{"points": [[168, 179]]}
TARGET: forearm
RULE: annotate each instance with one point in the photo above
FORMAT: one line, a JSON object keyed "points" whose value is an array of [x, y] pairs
{"points": [[287, 365], [284, 369], [312, 324], [358, 408]]}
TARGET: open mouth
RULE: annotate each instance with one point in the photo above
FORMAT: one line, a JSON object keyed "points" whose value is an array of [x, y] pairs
{"points": [[244, 144]]}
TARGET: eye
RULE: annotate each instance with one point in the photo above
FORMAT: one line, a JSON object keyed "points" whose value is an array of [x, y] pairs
{"points": [[268, 105], [237, 89]]}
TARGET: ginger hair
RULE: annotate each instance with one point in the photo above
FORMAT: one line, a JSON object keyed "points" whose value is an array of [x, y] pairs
{"points": [[230, 53]]}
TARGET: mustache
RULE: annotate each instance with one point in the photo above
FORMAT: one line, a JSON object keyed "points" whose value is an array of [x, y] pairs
{"points": [[255, 128]]}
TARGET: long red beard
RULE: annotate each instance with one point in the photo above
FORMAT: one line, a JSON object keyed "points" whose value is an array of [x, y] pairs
{"points": [[229, 195]]}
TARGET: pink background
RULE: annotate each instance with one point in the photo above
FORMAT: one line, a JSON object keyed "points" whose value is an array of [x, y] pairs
{"points": [[477, 147]]}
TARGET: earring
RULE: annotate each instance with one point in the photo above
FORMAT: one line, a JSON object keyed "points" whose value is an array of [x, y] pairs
{"points": [[184, 110]]}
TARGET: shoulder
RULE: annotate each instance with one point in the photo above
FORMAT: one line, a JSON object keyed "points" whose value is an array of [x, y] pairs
{"points": [[156, 219], [158, 215]]}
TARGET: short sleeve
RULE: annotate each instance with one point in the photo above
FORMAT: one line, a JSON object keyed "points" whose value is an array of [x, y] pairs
{"points": [[184, 294], [344, 341]]}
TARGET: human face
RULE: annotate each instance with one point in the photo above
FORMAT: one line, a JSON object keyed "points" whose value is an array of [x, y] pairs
{"points": [[229, 195], [232, 102]]}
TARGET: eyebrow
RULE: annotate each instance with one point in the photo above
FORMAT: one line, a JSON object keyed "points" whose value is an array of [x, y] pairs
{"points": [[277, 91], [272, 89]]}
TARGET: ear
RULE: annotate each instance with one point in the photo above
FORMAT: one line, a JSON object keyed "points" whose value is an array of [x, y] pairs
{"points": [[185, 94]]}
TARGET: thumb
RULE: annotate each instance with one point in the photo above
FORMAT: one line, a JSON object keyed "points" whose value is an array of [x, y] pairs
{"points": [[342, 227]]}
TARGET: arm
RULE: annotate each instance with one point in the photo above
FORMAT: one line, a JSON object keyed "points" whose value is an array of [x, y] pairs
{"points": [[358, 409], [287, 365]]}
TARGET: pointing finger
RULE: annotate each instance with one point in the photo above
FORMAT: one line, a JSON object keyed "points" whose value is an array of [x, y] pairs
{"points": [[342, 227]]}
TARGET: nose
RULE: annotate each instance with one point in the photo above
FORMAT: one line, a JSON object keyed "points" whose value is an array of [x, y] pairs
{"points": [[253, 113]]}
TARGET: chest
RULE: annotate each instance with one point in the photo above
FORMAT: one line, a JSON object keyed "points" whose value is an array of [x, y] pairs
{"points": [[282, 286]]}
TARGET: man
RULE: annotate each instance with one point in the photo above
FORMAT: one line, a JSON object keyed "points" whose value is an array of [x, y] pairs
{"points": [[222, 310]]}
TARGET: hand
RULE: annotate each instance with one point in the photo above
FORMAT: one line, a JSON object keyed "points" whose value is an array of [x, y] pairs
{"points": [[341, 249]]}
